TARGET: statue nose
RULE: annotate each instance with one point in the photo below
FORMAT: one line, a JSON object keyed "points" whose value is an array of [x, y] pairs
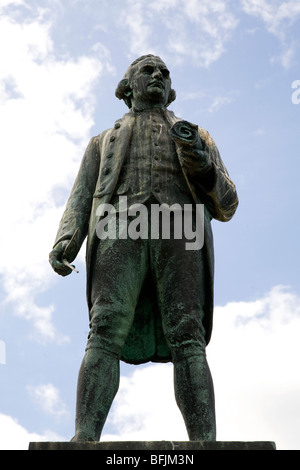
{"points": [[156, 74]]}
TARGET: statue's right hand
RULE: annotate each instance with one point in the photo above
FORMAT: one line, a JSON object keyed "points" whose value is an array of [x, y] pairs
{"points": [[56, 259]]}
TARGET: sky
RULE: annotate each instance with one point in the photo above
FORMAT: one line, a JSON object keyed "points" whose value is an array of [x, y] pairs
{"points": [[235, 68]]}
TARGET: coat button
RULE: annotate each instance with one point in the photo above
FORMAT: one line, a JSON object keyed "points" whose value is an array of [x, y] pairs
{"points": [[106, 171], [112, 139], [117, 125], [109, 155]]}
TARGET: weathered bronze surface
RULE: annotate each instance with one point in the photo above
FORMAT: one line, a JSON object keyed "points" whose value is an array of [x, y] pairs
{"points": [[150, 298], [170, 447]]}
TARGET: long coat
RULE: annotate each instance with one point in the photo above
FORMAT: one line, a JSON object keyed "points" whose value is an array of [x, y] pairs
{"points": [[95, 183]]}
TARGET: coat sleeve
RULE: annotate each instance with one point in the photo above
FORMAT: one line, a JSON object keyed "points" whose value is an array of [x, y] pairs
{"points": [[205, 170], [77, 213], [214, 183]]}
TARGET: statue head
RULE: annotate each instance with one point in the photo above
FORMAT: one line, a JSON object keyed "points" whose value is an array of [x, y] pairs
{"points": [[148, 79]]}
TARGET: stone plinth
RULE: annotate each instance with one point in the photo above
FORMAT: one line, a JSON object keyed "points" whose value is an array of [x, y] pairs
{"points": [[153, 447]]}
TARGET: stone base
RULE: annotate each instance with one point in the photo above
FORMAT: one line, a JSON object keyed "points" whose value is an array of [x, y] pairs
{"points": [[168, 447]]}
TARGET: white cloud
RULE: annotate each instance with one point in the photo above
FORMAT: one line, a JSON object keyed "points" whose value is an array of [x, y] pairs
{"points": [[46, 115], [6, 3], [145, 407], [140, 31], [13, 436], [47, 397], [253, 357], [278, 16], [275, 14], [210, 104], [254, 353], [191, 30], [220, 101], [287, 57]]}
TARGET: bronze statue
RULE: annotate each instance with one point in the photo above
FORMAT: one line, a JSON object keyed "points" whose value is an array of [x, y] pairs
{"points": [[149, 297]]}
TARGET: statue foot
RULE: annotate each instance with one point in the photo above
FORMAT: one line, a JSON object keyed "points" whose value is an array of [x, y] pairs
{"points": [[82, 437]]}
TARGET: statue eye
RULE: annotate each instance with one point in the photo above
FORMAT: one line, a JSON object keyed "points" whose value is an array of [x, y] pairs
{"points": [[148, 70], [165, 73]]}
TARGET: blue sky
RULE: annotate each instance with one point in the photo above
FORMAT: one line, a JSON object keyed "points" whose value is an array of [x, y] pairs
{"points": [[233, 65]]}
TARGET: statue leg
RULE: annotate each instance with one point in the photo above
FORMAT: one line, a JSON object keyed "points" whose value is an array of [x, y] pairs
{"points": [[181, 289], [117, 277], [194, 395], [98, 383]]}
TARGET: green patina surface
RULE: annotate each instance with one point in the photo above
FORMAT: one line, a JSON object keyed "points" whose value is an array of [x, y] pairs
{"points": [[148, 301]]}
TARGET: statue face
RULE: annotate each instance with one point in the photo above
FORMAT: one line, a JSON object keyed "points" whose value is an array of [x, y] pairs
{"points": [[151, 82]]}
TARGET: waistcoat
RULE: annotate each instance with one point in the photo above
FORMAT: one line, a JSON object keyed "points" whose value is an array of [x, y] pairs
{"points": [[151, 167]]}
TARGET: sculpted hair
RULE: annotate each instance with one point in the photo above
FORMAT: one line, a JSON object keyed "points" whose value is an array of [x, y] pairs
{"points": [[124, 91]]}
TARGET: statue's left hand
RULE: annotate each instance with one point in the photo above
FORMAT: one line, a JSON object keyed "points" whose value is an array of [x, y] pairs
{"points": [[193, 149]]}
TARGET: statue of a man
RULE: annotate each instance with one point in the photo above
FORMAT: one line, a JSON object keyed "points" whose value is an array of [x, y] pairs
{"points": [[149, 297]]}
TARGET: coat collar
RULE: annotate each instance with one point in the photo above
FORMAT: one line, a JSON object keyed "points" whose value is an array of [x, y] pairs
{"points": [[129, 117]]}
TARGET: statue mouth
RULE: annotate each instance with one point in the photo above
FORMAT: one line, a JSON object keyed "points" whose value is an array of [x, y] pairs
{"points": [[157, 84]]}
